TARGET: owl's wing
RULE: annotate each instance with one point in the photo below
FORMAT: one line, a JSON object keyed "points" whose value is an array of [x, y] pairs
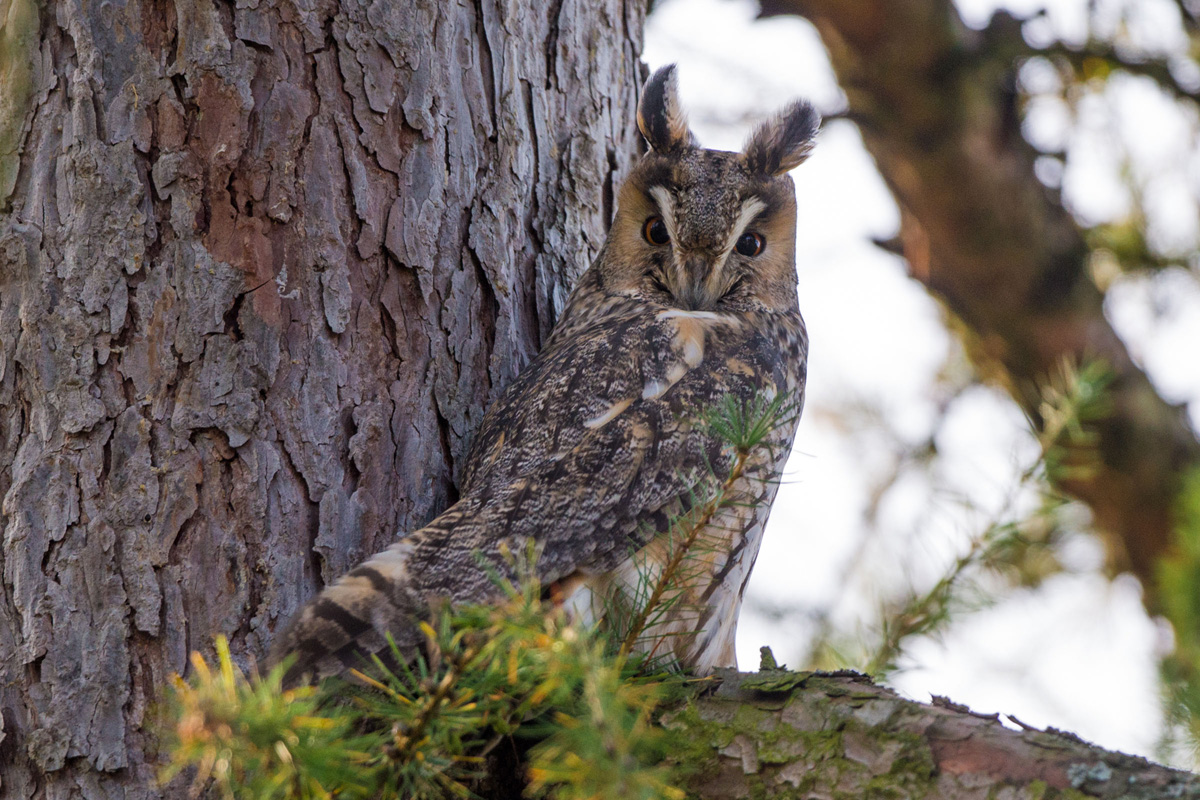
{"points": [[599, 443], [588, 453]]}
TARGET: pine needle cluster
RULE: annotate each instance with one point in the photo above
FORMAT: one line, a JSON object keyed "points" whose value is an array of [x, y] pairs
{"points": [[639, 619], [252, 738], [425, 730], [576, 704], [1068, 405]]}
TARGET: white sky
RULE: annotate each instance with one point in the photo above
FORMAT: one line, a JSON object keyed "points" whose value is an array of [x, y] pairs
{"points": [[1079, 652]]}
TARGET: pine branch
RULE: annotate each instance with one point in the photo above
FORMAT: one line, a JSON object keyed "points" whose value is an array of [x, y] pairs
{"points": [[744, 426], [1071, 401], [407, 740], [668, 578]]}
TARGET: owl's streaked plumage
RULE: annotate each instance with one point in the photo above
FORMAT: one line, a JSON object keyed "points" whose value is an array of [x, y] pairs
{"points": [[599, 443]]}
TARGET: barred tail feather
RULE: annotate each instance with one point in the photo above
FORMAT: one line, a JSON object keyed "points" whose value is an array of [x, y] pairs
{"points": [[350, 620]]}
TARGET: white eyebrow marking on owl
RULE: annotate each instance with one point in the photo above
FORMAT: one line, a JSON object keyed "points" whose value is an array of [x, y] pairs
{"points": [[608, 416], [666, 205], [751, 208]]}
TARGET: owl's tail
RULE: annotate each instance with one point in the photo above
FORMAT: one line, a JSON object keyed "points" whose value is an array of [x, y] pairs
{"points": [[349, 621]]}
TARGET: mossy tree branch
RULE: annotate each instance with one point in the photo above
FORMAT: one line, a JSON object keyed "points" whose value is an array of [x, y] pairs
{"points": [[838, 735]]}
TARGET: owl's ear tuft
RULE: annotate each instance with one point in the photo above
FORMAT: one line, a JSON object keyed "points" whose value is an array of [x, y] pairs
{"points": [[660, 115], [784, 141]]}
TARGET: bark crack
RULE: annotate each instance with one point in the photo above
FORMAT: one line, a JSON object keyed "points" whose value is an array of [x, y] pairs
{"points": [[486, 68], [554, 17], [443, 425], [489, 304]]}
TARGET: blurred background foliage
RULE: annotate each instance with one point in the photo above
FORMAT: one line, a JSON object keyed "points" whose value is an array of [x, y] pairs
{"points": [[995, 493]]}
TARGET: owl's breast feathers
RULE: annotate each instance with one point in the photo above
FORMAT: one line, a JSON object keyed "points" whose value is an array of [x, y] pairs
{"points": [[589, 453]]}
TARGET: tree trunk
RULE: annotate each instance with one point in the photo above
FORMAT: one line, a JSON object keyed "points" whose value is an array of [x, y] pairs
{"points": [[262, 268]]}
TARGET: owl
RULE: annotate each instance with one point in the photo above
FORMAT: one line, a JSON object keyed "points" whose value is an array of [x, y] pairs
{"points": [[600, 445]]}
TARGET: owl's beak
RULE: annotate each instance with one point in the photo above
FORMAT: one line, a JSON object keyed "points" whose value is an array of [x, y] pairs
{"points": [[695, 292]]}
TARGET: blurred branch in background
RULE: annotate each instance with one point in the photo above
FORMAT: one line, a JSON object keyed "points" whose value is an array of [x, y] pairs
{"points": [[943, 109], [1017, 546], [938, 107]]}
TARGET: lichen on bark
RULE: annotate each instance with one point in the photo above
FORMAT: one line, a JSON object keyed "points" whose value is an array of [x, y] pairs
{"points": [[838, 735], [18, 77]]}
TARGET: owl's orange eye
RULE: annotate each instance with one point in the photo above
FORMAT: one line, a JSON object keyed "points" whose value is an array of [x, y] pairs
{"points": [[655, 231], [750, 244]]}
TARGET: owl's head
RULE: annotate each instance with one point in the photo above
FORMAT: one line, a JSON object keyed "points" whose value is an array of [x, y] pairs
{"points": [[705, 229]]}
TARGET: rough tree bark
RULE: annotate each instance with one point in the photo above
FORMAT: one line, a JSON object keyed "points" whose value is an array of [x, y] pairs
{"points": [[935, 103], [262, 267]]}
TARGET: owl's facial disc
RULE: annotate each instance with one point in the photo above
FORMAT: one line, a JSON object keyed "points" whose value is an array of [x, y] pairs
{"points": [[696, 270], [699, 230]]}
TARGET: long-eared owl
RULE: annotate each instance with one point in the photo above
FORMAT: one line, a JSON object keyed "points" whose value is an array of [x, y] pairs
{"points": [[599, 446]]}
